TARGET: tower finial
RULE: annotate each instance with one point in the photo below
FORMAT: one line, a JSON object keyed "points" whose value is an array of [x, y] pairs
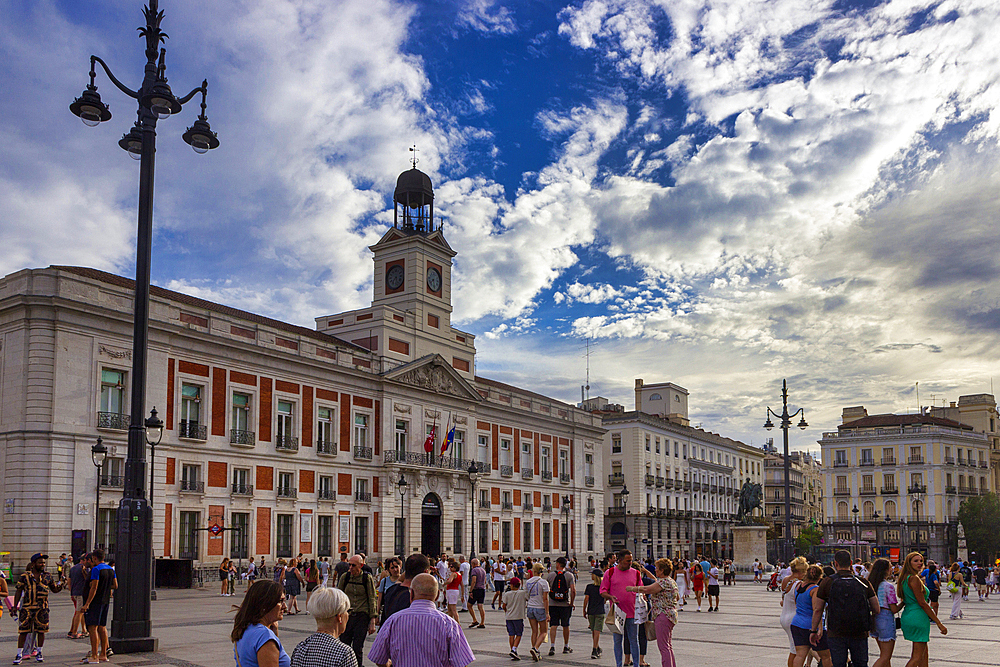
{"points": [[414, 160]]}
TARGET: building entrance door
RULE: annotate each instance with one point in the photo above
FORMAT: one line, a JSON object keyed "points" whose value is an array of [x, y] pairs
{"points": [[430, 525]]}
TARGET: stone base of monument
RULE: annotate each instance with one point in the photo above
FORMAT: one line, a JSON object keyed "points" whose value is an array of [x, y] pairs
{"points": [[749, 542]]}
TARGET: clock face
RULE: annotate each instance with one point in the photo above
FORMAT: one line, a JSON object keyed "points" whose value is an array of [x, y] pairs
{"points": [[394, 277], [433, 280]]}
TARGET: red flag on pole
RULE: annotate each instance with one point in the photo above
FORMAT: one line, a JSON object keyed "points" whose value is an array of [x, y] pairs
{"points": [[429, 442]]}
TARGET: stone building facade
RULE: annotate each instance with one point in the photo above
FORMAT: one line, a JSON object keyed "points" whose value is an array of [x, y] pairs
{"points": [[292, 438], [896, 481], [806, 486], [683, 482]]}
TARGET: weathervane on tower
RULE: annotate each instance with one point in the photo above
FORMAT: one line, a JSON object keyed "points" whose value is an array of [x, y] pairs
{"points": [[414, 160]]}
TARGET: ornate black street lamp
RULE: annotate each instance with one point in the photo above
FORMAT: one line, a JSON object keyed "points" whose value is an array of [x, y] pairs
{"points": [[624, 497], [97, 454], [473, 478], [131, 628], [786, 423], [154, 434], [401, 486], [857, 530]]}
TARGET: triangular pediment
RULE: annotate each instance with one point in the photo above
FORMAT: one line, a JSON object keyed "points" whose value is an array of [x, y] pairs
{"points": [[435, 374], [397, 234]]}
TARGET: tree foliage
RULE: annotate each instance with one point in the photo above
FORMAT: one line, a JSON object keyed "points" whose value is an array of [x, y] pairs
{"points": [[807, 539], [980, 516]]}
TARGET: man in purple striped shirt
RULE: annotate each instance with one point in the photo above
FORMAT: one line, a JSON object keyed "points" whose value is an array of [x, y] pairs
{"points": [[421, 636]]}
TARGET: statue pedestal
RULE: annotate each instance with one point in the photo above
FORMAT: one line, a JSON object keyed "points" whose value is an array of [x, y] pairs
{"points": [[749, 542]]}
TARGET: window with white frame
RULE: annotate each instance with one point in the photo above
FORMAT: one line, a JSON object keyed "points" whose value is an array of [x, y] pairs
{"points": [[402, 428], [483, 449], [505, 453], [190, 406], [526, 455], [326, 420], [286, 424], [360, 429], [616, 443], [286, 484], [564, 462], [326, 487], [546, 459], [457, 449], [113, 391], [241, 481], [588, 465], [241, 412]]}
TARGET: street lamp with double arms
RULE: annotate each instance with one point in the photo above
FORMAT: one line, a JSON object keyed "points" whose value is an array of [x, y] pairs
{"points": [[785, 424], [401, 486], [98, 453], [131, 627]]}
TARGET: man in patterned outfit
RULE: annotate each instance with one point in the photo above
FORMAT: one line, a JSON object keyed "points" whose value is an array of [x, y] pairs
{"points": [[31, 599]]}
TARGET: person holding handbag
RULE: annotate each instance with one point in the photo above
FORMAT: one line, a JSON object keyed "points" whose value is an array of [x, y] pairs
{"points": [[663, 601], [884, 623], [955, 584], [613, 589]]}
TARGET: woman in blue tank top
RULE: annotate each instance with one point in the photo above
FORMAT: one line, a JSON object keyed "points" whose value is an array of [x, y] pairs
{"points": [[802, 623]]}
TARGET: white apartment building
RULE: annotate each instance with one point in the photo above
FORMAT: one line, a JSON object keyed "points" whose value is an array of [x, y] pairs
{"points": [[295, 438], [682, 482], [897, 481]]}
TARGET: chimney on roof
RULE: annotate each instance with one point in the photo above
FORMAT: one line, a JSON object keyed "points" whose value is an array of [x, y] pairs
{"points": [[638, 394], [952, 404], [853, 414]]}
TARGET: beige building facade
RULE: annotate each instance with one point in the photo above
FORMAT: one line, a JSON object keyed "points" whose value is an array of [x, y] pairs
{"points": [[293, 439], [683, 482], [897, 481]]}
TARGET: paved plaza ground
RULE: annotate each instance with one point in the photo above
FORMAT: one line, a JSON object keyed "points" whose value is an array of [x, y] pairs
{"points": [[193, 629]]}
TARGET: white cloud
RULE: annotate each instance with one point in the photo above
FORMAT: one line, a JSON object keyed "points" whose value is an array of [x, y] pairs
{"points": [[487, 16]]}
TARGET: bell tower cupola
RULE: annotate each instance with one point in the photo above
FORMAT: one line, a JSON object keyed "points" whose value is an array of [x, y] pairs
{"points": [[413, 200]]}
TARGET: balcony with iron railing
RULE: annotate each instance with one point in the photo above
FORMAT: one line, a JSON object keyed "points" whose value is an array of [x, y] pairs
{"points": [[965, 491], [866, 463], [616, 479], [659, 482], [113, 421], [713, 488], [112, 481], [961, 460], [240, 437], [616, 511], [506, 471], [888, 461], [668, 483], [591, 511], [951, 489], [841, 464], [326, 494], [950, 460], [242, 489], [192, 430], [546, 476], [687, 485], [287, 492], [191, 486], [650, 480], [841, 491], [362, 496], [286, 443], [527, 473], [484, 504], [889, 491], [327, 447], [527, 506], [917, 488], [363, 453], [984, 464], [564, 477], [869, 491], [546, 506], [589, 480], [507, 505], [916, 460]]}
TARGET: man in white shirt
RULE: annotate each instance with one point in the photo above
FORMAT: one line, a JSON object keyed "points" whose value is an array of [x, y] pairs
{"points": [[324, 570], [463, 569], [785, 571], [713, 585], [499, 579]]}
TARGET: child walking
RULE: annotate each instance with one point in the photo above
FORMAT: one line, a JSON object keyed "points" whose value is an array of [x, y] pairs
{"points": [[593, 609], [514, 603]]}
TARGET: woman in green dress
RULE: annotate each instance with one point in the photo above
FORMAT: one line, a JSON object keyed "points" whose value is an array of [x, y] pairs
{"points": [[917, 613]]}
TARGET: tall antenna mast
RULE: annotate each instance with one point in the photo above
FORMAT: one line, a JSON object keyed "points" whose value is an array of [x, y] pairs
{"points": [[587, 387]]}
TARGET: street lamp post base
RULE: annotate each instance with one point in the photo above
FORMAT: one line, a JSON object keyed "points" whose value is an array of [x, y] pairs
{"points": [[135, 645]]}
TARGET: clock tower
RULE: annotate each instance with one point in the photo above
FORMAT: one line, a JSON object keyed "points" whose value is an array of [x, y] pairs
{"points": [[410, 316]]}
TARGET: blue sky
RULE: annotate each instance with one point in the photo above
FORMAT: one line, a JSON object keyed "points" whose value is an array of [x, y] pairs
{"points": [[718, 194]]}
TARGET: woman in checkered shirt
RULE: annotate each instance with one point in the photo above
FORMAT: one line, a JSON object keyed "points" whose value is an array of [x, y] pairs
{"points": [[330, 607]]}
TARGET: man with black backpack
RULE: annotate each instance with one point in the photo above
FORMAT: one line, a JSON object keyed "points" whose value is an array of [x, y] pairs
{"points": [[850, 604], [562, 595]]}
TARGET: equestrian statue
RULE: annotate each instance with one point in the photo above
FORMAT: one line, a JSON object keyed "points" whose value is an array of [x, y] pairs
{"points": [[751, 498]]}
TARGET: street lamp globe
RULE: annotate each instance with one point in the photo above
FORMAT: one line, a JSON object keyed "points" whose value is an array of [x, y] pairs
{"points": [[154, 428], [89, 107], [98, 453], [131, 142], [768, 424], [624, 494], [401, 485], [802, 422]]}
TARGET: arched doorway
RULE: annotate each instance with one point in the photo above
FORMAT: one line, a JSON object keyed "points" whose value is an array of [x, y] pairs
{"points": [[617, 536], [430, 525]]}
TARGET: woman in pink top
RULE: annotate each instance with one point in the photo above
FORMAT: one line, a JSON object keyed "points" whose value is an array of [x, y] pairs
{"points": [[614, 588], [664, 597]]}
